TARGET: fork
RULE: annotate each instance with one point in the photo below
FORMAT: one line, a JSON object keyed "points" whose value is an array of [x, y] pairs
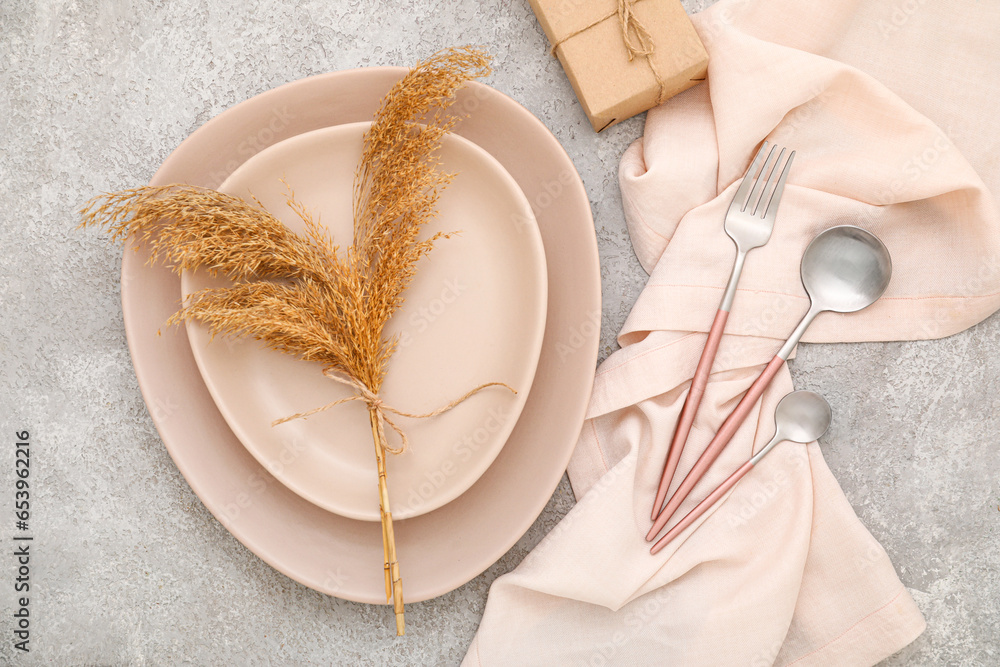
{"points": [[749, 222]]}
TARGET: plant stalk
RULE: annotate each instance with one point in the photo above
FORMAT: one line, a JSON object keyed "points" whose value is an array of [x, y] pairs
{"points": [[393, 582]]}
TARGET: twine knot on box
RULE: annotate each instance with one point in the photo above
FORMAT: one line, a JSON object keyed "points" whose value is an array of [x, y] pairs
{"points": [[636, 37]]}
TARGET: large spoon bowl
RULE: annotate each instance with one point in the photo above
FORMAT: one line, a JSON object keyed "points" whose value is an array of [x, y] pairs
{"points": [[845, 269]]}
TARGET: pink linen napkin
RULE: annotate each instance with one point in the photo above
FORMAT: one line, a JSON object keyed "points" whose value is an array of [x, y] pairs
{"points": [[892, 109]]}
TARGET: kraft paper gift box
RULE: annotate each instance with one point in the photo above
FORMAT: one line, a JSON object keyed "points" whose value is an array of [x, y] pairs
{"points": [[623, 56]]}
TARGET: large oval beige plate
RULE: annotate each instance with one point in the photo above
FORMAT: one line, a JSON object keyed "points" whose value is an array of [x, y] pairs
{"points": [[440, 550], [474, 313]]}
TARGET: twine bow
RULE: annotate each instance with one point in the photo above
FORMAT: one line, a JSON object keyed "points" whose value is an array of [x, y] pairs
{"points": [[636, 37], [375, 402]]}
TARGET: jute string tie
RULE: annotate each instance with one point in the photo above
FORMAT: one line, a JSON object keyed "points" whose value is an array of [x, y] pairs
{"points": [[637, 38], [375, 402]]}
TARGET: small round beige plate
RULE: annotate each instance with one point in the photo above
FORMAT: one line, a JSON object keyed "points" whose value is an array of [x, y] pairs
{"points": [[475, 313]]}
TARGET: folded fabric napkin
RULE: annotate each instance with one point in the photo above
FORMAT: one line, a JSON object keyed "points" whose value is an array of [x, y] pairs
{"points": [[892, 109]]}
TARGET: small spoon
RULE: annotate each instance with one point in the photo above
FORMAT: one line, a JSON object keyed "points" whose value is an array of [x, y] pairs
{"points": [[801, 416], [844, 269]]}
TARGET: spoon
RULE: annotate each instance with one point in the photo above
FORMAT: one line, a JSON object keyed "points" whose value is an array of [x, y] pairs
{"points": [[801, 416], [844, 269]]}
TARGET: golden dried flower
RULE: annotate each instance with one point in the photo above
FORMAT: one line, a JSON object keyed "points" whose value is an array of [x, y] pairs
{"points": [[299, 293]]}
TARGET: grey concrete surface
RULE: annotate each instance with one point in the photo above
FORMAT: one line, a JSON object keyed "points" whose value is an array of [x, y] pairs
{"points": [[129, 567]]}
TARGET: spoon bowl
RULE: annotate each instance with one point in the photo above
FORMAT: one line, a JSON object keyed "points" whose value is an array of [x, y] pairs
{"points": [[802, 416], [845, 269]]}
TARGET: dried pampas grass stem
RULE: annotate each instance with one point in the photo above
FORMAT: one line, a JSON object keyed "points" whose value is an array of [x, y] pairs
{"points": [[298, 293]]}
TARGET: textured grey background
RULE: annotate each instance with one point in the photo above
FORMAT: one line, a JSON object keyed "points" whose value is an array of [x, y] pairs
{"points": [[129, 566]]}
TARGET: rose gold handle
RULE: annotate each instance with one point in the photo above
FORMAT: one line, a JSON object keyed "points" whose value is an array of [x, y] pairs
{"points": [[691, 404], [719, 442], [712, 498]]}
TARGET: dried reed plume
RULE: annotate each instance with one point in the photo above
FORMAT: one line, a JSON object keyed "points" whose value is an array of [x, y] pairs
{"points": [[296, 292]]}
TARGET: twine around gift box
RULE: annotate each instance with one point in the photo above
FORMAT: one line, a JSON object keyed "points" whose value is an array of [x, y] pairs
{"points": [[636, 37]]}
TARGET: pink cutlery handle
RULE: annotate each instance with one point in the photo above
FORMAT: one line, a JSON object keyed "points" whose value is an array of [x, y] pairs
{"points": [[719, 442], [690, 408], [712, 498]]}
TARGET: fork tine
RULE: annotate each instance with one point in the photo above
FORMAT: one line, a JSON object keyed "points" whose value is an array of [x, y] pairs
{"points": [[779, 188], [741, 193], [761, 203], [758, 183]]}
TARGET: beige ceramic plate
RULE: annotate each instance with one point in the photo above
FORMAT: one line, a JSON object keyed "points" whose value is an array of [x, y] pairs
{"points": [[439, 550], [474, 313]]}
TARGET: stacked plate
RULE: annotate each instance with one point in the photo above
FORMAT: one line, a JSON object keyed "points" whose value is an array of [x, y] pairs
{"points": [[506, 300]]}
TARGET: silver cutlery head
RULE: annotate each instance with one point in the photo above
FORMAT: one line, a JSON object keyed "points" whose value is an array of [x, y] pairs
{"points": [[801, 416], [751, 214], [845, 269]]}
